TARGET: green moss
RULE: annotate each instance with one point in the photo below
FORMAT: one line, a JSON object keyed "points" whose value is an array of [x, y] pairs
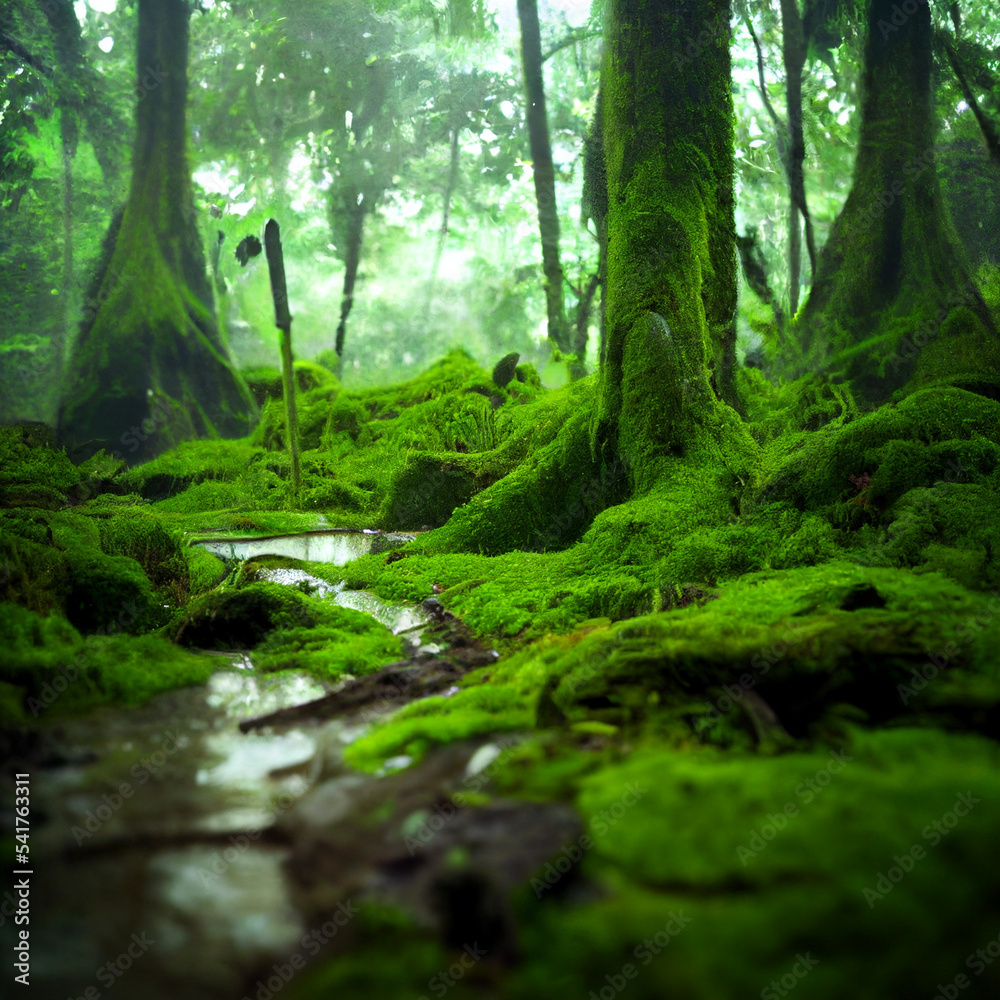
{"points": [[138, 534], [257, 488], [467, 713], [396, 971], [107, 593], [57, 671], [347, 642], [804, 640], [265, 383], [952, 528], [923, 437], [204, 569], [67, 570], [33, 471], [190, 462], [241, 618]]}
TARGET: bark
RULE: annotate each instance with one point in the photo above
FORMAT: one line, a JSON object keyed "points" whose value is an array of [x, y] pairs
{"points": [[671, 283], [794, 49], [594, 202], [544, 172], [893, 299], [67, 46], [283, 321], [989, 129], [352, 259], [150, 368], [581, 325]]}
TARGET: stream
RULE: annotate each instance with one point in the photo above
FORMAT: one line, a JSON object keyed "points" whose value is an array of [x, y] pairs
{"points": [[149, 822]]}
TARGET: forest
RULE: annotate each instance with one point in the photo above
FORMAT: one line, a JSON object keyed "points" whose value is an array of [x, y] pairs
{"points": [[522, 476]]}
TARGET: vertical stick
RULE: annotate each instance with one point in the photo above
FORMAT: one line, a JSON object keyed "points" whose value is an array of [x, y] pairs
{"points": [[283, 320]]}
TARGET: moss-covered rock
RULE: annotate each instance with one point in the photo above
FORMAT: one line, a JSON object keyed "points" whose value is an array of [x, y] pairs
{"points": [[241, 618], [266, 383], [55, 670], [33, 471]]}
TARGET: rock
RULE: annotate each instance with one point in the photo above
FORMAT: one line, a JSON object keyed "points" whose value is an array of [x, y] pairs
{"points": [[505, 368]]}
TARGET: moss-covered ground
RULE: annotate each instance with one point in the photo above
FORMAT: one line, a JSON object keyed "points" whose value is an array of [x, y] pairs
{"points": [[771, 693]]}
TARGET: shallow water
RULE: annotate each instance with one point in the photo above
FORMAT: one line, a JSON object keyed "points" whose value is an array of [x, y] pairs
{"points": [[160, 834], [395, 617], [333, 547], [154, 825]]}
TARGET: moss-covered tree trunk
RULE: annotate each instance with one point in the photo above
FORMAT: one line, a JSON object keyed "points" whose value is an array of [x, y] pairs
{"points": [[150, 368], [671, 281], [543, 171], [893, 298]]}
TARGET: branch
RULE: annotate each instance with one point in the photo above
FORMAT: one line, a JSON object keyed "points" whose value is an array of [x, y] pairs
{"points": [[577, 35], [13, 45], [760, 76], [986, 126]]}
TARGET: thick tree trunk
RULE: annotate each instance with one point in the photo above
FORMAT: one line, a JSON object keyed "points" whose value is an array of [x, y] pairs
{"points": [[150, 368], [893, 298], [544, 172], [671, 284]]}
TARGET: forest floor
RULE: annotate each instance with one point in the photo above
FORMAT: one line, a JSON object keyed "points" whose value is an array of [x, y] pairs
{"points": [[527, 735]]}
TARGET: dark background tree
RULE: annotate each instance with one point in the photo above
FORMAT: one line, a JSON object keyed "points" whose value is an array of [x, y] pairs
{"points": [[150, 368], [893, 267], [543, 171]]}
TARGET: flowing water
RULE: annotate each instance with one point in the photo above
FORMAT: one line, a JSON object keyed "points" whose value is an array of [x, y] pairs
{"points": [[333, 547], [149, 825]]}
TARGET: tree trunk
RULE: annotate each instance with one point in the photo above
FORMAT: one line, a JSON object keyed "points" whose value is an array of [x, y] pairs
{"points": [[794, 50], [594, 203], [581, 325], [150, 368], [893, 299], [544, 172], [671, 283], [68, 282], [445, 215], [68, 48], [352, 259]]}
